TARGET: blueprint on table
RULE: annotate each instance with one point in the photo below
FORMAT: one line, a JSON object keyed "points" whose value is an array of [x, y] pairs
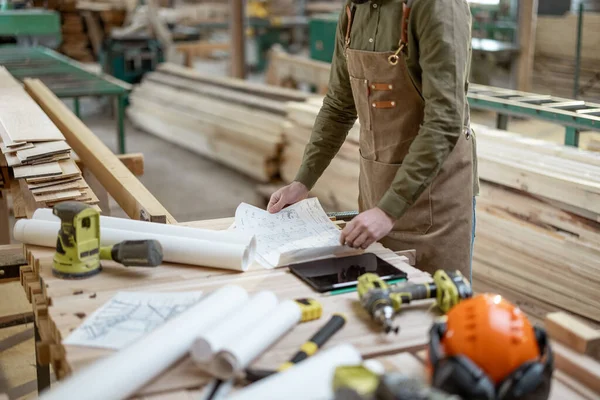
{"points": [[301, 232], [128, 316]]}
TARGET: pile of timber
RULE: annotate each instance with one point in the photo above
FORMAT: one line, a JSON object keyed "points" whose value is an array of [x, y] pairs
{"points": [[35, 151], [538, 215], [231, 121], [554, 64]]}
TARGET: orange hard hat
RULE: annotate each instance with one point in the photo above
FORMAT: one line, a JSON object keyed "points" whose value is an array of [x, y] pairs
{"points": [[492, 333]]}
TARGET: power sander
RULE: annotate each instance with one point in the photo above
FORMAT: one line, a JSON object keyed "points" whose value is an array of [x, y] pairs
{"points": [[78, 251], [382, 300]]}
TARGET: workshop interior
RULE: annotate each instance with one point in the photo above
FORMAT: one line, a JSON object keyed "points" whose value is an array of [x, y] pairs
{"points": [[300, 199]]}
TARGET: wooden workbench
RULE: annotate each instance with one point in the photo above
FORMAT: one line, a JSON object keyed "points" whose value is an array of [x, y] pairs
{"points": [[60, 306]]}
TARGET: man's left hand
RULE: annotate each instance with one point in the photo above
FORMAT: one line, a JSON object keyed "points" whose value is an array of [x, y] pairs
{"points": [[367, 228]]}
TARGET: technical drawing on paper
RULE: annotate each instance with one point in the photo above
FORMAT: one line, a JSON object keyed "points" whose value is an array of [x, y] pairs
{"points": [[128, 316], [297, 233]]}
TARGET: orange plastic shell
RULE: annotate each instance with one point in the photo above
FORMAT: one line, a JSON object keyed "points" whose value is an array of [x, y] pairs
{"points": [[493, 333]]}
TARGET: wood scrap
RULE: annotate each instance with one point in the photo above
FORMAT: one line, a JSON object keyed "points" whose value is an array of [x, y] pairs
{"points": [[573, 333], [44, 149], [581, 367], [40, 170]]}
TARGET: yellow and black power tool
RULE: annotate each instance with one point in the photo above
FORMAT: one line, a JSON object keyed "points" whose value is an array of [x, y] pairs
{"points": [[382, 301], [78, 251]]}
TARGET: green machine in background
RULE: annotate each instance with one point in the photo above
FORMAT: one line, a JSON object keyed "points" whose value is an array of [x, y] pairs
{"points": [[130, 58], [30, 27], [322, 29]]}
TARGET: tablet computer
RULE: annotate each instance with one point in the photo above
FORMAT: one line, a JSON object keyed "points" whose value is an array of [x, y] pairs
{"points": [[343, 272]]}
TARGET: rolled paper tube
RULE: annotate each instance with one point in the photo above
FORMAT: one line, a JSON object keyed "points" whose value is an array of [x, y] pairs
{"points": [[175, 249], [237, 355], [224, 236], [121, 374], [310, 379], [233, 328]]}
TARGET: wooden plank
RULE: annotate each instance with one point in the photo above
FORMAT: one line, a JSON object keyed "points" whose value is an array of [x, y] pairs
{"points": [[123, 186], [43, 149], [581, 367], [57, 196], [6, 149], [573, 333], [68, 170], [133, 161], [527, 28], [22, 119], [35, 171], [41, 185], [74, 184]]}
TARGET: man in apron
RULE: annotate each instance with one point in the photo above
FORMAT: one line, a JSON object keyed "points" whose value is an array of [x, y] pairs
{"points": [[402, 68]]}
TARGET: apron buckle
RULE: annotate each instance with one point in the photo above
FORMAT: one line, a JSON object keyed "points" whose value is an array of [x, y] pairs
{"points": [[394, 58]]}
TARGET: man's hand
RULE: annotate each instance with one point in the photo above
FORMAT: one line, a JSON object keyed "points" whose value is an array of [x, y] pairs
{"points": [[367, 228], [287, 195]]}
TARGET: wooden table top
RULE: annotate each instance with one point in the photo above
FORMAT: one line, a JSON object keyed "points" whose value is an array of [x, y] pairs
{"points": [[62, 305]]}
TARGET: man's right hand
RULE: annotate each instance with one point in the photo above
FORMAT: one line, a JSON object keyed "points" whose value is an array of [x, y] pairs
{"points": [[286, 196]]}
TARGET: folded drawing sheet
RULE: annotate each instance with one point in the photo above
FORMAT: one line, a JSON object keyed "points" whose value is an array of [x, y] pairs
{"points": [[299, 233], [128, 316]]}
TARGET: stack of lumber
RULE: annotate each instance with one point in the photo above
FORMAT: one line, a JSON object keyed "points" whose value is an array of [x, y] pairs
{"points": [[36, 151], [538, 221], [231, 121], [75, 42], [338, 187], [538, 224], [556, 39]]}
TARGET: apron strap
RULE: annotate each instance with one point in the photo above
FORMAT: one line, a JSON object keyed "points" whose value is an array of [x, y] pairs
{"points": [[394, 58], [350, 13]]}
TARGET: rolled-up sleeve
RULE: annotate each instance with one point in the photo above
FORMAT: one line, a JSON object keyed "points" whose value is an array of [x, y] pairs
{"points": [[442, 29], [335, 119]]}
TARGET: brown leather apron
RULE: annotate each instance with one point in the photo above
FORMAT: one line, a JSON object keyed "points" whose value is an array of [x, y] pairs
{"points": [[390, 110]]}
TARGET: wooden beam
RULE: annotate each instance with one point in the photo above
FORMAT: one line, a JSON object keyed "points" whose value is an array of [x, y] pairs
{"points": [[238, 42], [133, 161], [527, 29], [133, 197], [573, 333]]}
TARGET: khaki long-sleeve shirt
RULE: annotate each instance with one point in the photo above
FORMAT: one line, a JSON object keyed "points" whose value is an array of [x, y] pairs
{"points": [[438, 60]]}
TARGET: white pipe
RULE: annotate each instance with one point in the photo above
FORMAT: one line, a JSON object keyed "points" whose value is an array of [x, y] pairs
{"points": [[232, 328], [236, 356], [120, 375], [175, 249], [310, 379]]}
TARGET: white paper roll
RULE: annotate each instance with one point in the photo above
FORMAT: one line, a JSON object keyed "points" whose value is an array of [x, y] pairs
{"points": [[175, 249], [125, 224], [237, 355], [311, 379], [120, 375], [233, 328]]}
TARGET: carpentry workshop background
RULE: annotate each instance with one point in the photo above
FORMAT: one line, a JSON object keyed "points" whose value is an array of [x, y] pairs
{"points": [[140, 144]]}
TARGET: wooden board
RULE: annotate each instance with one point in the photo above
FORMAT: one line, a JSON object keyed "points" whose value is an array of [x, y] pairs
{"points": [[6, 149], [123, 186], [44, 149], [40, 170], [74, 184], [573, 333], [23, 120], [68, 170], [583, 368], [57, 196]]}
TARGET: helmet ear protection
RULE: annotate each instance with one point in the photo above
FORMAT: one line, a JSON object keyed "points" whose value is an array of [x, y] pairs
{"points": [[461, 376]]}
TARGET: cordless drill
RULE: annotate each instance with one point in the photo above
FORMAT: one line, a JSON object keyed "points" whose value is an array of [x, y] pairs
{"points": [[382, 301]]}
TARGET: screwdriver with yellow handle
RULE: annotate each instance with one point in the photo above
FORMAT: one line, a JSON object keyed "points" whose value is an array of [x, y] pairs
{"points": [[310, 347]]}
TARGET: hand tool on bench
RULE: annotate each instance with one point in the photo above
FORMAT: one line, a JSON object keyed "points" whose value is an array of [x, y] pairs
{"points": [[78, 250], [335, 323], [382, 300]]}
